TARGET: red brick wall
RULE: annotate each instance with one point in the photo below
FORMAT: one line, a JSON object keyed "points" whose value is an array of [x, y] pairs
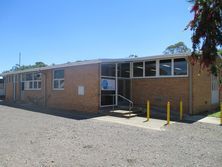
{"points": [[201, 81], [85, 75], [161, 90], [9, 90]]}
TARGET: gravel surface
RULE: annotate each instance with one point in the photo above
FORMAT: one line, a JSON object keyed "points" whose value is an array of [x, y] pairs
{"points": [[37, 139]]}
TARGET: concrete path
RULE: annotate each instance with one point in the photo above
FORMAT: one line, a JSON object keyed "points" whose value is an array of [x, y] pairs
{"points": [[202, 119], [153, 124], [209, 120]]}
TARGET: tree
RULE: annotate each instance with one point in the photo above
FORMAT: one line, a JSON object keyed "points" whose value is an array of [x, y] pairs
{"points": [[177, 48], [133, 56], [207, 33], [25, 67]]}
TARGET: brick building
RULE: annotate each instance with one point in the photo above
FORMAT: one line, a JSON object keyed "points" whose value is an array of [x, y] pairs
{"points": [[88, 86]]}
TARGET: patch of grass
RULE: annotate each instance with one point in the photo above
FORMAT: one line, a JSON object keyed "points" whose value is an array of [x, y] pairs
{"points": [[215, 114]]}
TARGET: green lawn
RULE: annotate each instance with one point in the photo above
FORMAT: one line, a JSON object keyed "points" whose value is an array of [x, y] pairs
{"points": [[216, 114]]}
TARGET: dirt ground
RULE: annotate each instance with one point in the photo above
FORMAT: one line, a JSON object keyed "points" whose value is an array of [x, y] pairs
{"points": [[29, 138]]}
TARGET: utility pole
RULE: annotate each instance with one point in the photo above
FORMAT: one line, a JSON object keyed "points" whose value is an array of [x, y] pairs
{"points": [[19, 59]]}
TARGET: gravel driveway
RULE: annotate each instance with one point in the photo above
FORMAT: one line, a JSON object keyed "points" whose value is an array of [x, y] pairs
{"points": [[37, 139]]}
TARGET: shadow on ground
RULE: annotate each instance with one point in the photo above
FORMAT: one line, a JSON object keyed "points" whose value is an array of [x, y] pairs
{"points": [[55, 112], [71, 114]]}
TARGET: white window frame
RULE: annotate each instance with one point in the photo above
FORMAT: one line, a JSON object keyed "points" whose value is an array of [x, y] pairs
{"points": [[158, 69], [60, 79], [32, 81]]}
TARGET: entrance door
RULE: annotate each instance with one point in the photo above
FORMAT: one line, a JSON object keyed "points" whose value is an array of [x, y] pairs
{"points": [[124, 89], [214, 90]]}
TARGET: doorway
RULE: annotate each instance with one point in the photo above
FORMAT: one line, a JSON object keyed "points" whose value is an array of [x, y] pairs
{"points": [[115, 83], [214, 90], [124, 89]]}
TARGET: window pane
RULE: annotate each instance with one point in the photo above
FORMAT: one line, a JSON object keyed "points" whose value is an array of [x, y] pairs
{"points": [[108, 70], [30, 85], [39, 84], [56, 84], [150, 68], [61, 83], [28, 77], [165, 67], [58, 74], [35, 85], [26, 86], [23, 85], [138, 69], [124, 70], [180, 66], [37, 76], [108, 98], [23, 77]]}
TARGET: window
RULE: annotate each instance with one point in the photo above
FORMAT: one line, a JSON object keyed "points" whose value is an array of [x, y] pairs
{"points": [[29, 77], [58, 80], [124, 70], [138, 69], [31, 81], [108, 70], [165, 67], [150, 68], [180, 66]]}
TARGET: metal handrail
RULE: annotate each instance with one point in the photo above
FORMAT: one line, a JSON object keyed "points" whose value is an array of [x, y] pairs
{"points": [[128, 100], [125, 98]]}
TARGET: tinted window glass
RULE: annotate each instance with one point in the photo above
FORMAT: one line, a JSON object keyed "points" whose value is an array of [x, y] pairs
{"points": [[124, 70], [108, 70], [61, 83], [56, 84], [165, 67], [59, 74], [37, 76], [180, 66], [39, 84], [28, 77], [150, 68], [138, 69], [30, 85]]}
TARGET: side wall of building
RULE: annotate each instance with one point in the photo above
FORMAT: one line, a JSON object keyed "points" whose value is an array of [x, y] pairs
{"points": [[9, 89], [84, 75], [201, 88]]}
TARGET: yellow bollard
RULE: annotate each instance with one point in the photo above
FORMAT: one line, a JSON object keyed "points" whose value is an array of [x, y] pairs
{"points": [[221, 113], [168, 113], [181, 109], [148, 110]]}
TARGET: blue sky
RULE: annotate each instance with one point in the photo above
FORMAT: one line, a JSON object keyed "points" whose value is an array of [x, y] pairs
{"points": [[58, 31]]}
